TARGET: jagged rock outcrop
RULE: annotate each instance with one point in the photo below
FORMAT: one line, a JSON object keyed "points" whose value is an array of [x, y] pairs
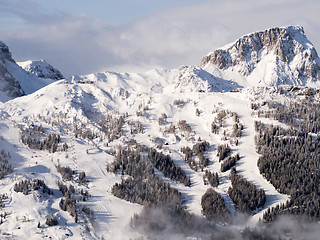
{"points": [[41, 69], [8, 84], [291, 58], [5, 54]]}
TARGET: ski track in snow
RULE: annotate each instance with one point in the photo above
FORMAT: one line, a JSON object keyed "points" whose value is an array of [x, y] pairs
{"points": [[247, 165]]}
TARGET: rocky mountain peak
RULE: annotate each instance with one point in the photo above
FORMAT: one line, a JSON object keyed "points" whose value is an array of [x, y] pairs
{"points": [[41, 69], [289, 46]]}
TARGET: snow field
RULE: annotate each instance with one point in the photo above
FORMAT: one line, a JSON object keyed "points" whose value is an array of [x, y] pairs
{"points": [[72, 102]]}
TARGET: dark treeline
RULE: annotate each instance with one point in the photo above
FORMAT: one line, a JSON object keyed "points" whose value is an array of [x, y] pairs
{"points": [[290, 161], [165, 164], [303, 115], [188, 157], [223, 151], [35, 137], [197, 150], [184, 126], [147, 192], [211, 178], [229, 163], [244, 194], [5, 167], [237, 129], [213, 207], [66, 172], [25, 186], [143, 187], [68, 202]]}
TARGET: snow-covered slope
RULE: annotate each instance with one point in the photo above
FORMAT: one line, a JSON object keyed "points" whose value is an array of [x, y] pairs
{"points": [[268, 58], [143, 98], [41, 69], [84, 111]]}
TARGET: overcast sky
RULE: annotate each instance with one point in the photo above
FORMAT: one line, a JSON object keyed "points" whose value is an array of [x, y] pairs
{"points": [[82, 37]]}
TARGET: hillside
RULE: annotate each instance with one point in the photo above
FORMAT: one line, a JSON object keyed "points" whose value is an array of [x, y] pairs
{"points": [[168, 154]]}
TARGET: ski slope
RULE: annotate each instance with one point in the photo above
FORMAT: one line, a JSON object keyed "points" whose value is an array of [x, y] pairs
{"points": [[196, 95], [105, 93]]}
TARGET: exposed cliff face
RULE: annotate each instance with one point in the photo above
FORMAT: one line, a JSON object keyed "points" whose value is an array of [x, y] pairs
{"points": [[8, 84], [293, 57], [41, 69], [5, 54]]}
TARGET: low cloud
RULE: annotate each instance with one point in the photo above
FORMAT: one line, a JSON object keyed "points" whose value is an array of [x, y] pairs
{"points": [[161, 222], [78, 44]]}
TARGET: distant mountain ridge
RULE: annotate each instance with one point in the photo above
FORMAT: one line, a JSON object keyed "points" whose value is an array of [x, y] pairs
{"points": [[275, 56]]}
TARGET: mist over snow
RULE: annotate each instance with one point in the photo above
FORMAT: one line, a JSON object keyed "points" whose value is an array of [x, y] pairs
{"points": [[77, 43]]}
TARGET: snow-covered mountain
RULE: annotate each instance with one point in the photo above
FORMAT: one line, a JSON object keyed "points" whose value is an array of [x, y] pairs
{"points": [[15, 81], [41, 69], [268, 58], [72, 133]]}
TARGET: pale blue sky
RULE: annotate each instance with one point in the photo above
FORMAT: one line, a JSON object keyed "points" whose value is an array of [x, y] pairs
{"points": [[82, 37], [114, 11]]}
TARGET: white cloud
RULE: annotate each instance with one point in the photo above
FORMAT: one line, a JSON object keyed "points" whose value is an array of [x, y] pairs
{"points": [[77, 44]]}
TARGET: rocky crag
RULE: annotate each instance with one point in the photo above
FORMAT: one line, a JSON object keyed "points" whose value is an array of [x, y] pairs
{"points": [[286, 49], [8, 84]]}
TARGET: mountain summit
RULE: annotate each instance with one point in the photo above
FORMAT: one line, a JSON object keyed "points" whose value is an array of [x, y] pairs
{"points": [[41, 69], [272, 57]]}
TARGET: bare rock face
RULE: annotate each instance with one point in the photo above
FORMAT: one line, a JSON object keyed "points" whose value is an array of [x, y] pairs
{"points": [[5, 54], [289, 45], [8, 84]]}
